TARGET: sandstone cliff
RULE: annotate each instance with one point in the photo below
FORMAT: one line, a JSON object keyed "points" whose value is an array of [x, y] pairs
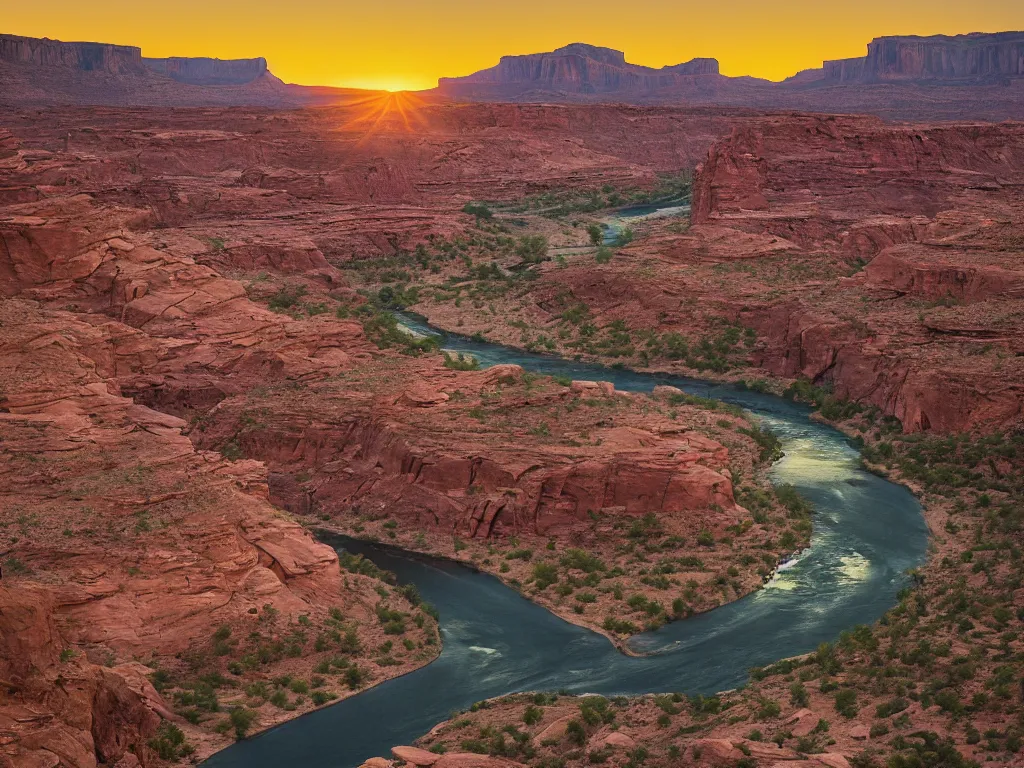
{"points": [[909, 78], [582, 68], [42, 72], [87, 57], [205, 71], [973, 57]]}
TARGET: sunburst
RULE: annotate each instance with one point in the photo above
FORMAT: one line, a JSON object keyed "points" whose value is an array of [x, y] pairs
{"points": [[384, 112]]}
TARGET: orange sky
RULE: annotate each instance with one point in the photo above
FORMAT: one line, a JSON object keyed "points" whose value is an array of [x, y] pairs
{"points": [[410, 43]]}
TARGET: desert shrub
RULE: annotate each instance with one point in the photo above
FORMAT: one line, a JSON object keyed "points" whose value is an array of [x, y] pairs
{"points": [[544, 575], [461, 362], [169, 743], [242, 719], [846, 702]]}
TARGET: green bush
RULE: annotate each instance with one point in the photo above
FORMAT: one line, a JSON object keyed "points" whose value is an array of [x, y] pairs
{"points": [[242, 719], [582, 560], [461, 362], [169, 743], [846, 702], [532, 248]]}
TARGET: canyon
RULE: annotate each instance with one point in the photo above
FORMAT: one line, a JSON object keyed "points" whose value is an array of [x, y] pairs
{"points": [[168, 389], [200, 368]]}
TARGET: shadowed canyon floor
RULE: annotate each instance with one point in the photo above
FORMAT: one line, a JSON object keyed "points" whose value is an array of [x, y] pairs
{"points": [[198, 358]]}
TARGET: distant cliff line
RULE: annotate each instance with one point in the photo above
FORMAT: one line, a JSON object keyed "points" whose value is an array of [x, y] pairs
{"points": [[128, 60], [583, 68], [974, 57]]}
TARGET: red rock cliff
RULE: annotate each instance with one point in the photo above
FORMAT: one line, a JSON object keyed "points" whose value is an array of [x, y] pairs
{"points": [[583, 68], [204, 71], [939, 57], [89, 57]]}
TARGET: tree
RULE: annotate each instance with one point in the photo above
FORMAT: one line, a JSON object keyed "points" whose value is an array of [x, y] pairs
{"points": [[596, 234]]}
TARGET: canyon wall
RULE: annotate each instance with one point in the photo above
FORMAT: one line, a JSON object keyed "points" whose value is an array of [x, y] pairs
{"points": [[929, 329], [206, 71], [43, 72], [582, 68], [938, 58], [87, 57]]}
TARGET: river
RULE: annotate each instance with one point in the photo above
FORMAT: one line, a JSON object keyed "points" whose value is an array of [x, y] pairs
{"points": [[867, 533]]}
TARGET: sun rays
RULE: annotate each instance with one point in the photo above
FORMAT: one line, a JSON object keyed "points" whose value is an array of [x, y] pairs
{"points": [[384, 112]]}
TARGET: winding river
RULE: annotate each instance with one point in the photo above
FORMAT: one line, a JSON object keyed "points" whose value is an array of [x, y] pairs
{"points": [[867, 533]]}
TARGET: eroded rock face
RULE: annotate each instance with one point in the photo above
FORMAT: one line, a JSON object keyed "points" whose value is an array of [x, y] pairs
{"points": [[963, 58], [432, 464], [87, 57], [905, 78], [933, 214], [206, 71], [76, 595], [582, 68]]}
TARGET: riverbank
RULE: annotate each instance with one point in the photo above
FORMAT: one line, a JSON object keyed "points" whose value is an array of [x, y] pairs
{"points": [[947, 689], [617, 571], [763, 701]]}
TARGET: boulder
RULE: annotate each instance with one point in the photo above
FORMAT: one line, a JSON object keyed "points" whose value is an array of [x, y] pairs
{"points": [[415, 755], [553, 732], [717, 751], [833, 760], [422, 395], [619, 739]]}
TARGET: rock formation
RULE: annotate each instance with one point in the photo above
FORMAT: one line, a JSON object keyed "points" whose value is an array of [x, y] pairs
{"points": [[975, 57], [127, 60], [87, 57], [581, 68], [928, 73], [42, 71], [205, 71]]}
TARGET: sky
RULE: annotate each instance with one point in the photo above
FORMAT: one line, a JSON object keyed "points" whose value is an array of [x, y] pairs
{"points": [[408, 44]]}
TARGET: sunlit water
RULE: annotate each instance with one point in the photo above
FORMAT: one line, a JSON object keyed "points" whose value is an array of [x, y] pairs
{"points": [[624, 217], [867, 533]]}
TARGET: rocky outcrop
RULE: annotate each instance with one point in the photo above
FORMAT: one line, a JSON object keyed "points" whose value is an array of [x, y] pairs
{"points": [[127, 60], [86, 57], [206, 71], [959, 58], [582, 68], [393, 452], [932, 213], [39, 72], [941, 274]]}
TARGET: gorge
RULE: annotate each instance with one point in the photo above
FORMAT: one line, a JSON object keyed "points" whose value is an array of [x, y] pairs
{"points": [[565, 369]]}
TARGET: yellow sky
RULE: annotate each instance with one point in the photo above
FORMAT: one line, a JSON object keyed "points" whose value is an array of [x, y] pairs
{"points": [[410, 43]]}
